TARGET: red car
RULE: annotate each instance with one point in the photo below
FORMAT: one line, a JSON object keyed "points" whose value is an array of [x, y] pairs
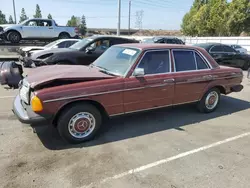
{"points": [[127, 78]]}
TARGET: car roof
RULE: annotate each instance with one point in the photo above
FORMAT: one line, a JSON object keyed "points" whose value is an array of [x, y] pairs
{"points": [[146, 46], [108, 36]]}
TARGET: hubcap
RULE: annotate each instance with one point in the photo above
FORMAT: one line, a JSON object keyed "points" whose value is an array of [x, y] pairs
{"points": [[212, 100], [81, 125]]}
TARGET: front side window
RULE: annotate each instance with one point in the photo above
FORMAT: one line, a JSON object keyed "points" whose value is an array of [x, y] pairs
{"points": [[31, 23], [100, 45], [188, 61], [228, 49], [155, 62], [117, 60]]}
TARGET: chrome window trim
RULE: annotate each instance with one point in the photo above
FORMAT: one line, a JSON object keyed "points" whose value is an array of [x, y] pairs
{"points": [[155, 50], [204, 61], [194, 51]]}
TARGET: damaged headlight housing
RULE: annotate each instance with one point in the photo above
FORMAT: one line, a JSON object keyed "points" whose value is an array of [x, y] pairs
{"points": [[24, 91]]}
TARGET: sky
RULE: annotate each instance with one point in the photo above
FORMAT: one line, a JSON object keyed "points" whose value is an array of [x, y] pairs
{"points": [[158, 14]]}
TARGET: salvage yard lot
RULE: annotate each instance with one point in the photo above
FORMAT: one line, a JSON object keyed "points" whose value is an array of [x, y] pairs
{"points": [[175, 147]]}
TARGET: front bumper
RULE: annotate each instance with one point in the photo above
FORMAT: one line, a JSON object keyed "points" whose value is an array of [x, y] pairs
{"points": [[25, 114], [3, 35], [237, 88]]}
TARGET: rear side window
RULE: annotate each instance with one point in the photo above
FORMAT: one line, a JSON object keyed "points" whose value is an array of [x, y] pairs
{"points": [[200, 62], [188, 61], [184, 60], [217, 48]]}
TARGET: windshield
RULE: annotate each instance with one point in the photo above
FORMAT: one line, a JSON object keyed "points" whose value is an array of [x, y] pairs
{"points": [[117, 60], [51, 44], [81, 44]]}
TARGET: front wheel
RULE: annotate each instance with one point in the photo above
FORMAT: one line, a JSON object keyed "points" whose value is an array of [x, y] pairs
{"points": [[14, 37], [79, 123], [209, 101]]}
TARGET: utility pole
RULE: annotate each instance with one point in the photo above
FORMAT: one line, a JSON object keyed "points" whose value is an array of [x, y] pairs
{"points": [[14, 8], [129, 15], [119, 17]]}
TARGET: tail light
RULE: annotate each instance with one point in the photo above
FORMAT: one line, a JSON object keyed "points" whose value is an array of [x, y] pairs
{"points": [[76, 30]]}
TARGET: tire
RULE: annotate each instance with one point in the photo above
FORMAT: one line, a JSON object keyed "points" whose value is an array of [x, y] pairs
{"points": [[246, 66], [14, 37], [203, 105], [64, 36], [79, 118]]}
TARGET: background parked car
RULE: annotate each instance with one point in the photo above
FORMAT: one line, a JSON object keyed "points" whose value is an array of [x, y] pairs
{"points": [[226, 55], [83, 52], [37, 28], [164, 40], [60, 43], [239, 48]]}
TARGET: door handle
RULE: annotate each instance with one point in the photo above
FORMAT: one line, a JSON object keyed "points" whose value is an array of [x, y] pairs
{"points": [[169, 80], [50, 27]]}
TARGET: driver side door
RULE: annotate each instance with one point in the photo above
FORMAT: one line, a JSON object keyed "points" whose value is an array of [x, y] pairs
{"points": [[31, 29], [155, 89]]}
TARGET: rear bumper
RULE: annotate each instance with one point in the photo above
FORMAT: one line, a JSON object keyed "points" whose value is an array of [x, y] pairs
{"points": [[25, 114], [236, 88]]}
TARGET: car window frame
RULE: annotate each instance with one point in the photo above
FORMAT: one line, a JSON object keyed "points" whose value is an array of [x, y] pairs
{"points": [[194, 51], [153, 50]]}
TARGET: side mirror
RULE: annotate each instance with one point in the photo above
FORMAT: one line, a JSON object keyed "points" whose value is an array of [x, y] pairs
{"points": [[139, 72], [89, 50]]}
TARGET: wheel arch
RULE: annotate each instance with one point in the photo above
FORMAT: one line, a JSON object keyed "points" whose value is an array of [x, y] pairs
{"points": [[221, 88], [64, 32], [13, 30], [68, 105]]}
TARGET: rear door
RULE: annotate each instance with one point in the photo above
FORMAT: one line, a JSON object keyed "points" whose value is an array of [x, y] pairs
{"points": [[217, 52], [192, 75], [153, 90]]}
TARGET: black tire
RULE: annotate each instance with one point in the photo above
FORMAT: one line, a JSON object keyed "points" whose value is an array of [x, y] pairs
{"points": [[202, 107], [246, 66], [14, 37], [64, 36], [66, 117]]}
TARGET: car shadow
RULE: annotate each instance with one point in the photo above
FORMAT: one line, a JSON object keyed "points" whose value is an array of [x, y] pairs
{"points": [[134, 125]]}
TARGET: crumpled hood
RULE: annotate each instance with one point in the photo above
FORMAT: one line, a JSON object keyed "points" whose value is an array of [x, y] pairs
{"points": [[46, 74], [26, 49], [39, 53], [4, 26]]}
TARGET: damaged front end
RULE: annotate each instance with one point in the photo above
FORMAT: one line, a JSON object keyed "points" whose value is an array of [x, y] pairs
{"points": [[10, 74]]}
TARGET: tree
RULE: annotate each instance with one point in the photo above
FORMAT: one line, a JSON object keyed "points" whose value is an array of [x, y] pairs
{"points": [[11, 20], [2, 18], [73, 22], [23, 16], [239, 17], [83, 26], [49, 16], [38, 13]]}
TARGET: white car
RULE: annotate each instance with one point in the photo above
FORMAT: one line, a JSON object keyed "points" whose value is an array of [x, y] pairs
{"points": [[60, 43], [36, 29], [239, 48]]}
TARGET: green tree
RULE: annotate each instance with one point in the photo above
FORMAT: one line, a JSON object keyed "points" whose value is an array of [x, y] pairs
{"points": [[38, 13], [83, 26], [49, 16], [238, 17], [73, 22], [23, 16], [11, 21], [217, 19], [2, 18]]}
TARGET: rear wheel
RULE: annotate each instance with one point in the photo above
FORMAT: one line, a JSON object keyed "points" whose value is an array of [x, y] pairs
{"points": [[79, 123], [209, 101]]}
